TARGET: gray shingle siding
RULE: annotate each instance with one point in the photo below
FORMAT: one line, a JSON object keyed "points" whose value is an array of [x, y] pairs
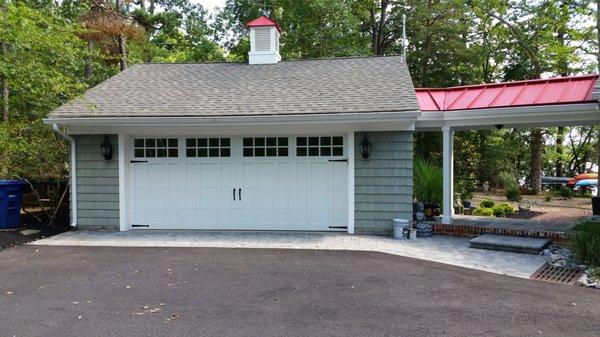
{"points": [[97, 184], [383, 184]]}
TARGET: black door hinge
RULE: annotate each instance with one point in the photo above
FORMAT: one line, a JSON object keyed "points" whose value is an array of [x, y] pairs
{"points": [[338, 227], [338, 160], [137, 226], [138, 161]]}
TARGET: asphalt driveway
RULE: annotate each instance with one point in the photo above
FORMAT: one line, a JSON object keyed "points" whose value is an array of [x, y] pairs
{"points": [[106, 291]]}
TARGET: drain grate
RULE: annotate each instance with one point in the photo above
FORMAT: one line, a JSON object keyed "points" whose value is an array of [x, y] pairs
{"points": [[551, 273]]}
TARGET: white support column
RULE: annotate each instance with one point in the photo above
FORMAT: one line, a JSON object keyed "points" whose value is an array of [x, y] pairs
{"points": [[448, 171], [123, 146], [350, 182]]}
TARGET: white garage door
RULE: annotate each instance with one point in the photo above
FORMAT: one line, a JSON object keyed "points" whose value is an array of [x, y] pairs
{"points": [[264, 183]]}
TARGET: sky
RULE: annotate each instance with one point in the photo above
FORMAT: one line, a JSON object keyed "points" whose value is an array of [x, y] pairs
{"points": [[210, 4]]}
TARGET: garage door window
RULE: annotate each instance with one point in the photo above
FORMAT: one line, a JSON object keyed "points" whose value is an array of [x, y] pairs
{"points": [[155, 148], [265, 147], [324, 146], [207, 147]]}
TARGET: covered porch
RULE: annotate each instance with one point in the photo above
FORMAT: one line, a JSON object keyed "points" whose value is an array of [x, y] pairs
{"points": [[565, 101]]}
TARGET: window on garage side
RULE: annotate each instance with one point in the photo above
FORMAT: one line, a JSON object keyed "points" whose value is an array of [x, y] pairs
{"points": [[155, 148], [322, 146], [265, 147], [207, 147]]}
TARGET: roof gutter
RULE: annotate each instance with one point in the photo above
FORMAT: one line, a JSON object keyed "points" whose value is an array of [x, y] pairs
{"points": [[388, 116], [73, 173]]}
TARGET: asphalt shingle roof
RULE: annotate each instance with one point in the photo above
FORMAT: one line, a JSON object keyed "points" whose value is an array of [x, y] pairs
{"points": [[322, 86]]}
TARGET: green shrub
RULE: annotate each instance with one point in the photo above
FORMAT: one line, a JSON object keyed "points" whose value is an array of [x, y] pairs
{"points": [[511, 186], [513, 194], [483, 211], [428, 181], [585, 243], [565, 192], [594, 272], [503, 209], [548, 198], [487, 203]]}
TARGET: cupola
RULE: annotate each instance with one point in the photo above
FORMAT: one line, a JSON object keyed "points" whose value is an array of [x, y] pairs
{"points": [[264, 41]]}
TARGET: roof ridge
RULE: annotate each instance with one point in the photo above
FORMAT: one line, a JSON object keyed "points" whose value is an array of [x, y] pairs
{"points": [[537, 80], [285, 61]]}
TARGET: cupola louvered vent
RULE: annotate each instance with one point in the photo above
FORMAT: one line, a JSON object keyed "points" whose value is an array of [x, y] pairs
{"points": [[262, 39]]}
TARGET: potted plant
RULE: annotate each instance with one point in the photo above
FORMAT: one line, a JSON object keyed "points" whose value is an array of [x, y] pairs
{"points": [[428, 181]]}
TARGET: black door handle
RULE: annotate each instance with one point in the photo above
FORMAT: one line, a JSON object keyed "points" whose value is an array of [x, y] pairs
{"points": [[138, 161], [234, 194], [240, 194]]}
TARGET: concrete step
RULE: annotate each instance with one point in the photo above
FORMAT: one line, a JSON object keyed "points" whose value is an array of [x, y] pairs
{"points": [[506, 243]]}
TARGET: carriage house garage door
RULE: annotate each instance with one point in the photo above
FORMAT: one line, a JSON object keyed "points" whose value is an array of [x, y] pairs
{"points": [[258, 182]]}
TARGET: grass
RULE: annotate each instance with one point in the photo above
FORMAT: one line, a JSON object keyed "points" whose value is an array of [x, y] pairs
{"points": [[428, 181], [585, 243]]}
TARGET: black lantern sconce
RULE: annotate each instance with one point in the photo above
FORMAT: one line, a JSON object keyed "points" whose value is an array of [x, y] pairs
{"points": [[365, 147], [106, 149]]}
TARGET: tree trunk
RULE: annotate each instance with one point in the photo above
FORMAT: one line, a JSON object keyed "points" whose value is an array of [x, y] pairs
{"points": [[560, 137], [4, 80], [535, 177], [598, 41], [122, 43]]}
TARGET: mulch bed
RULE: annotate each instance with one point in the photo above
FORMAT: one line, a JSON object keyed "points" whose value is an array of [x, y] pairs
{"points": [[13, 237], [525, 215]]}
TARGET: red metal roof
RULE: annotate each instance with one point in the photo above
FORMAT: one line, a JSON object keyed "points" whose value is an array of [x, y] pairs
{"points": [[575, 89], [263, 21]]}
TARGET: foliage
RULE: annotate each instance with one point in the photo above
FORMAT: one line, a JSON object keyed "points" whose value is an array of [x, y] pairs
{"points": [[487, 203], [503, 209], [585, 243], [483, 211], [45, 57], [428, 181], [565, 192], [511, 186], [594, 272]]}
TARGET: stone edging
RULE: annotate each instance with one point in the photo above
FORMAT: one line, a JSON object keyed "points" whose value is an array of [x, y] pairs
{"points": [[474, 230]]}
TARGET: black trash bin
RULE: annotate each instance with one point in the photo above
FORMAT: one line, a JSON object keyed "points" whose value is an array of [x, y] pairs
{"points": [[596, 205]]}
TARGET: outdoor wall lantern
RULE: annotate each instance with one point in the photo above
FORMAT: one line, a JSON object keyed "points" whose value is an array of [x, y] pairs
{"points": [[106, 149], [365, 147]]}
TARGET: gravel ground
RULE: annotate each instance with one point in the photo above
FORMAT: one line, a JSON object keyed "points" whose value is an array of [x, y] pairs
{"points": [[103, 291]]}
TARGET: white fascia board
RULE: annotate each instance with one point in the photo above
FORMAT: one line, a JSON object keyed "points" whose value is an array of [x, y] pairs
{"points": [[393, 116], [526, 116]]}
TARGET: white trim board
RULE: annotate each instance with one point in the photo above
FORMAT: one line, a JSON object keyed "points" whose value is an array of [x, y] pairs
{"points": [[511, 117]]}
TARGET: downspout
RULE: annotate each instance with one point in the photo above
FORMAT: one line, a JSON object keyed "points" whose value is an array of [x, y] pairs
{"points": [[73, 173]]}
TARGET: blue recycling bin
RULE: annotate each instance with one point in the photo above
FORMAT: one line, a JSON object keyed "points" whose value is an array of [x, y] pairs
{"points": [[11, 194]]}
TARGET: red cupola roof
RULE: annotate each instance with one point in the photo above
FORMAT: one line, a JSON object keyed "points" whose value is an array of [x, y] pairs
{"points": [[263, 21]]}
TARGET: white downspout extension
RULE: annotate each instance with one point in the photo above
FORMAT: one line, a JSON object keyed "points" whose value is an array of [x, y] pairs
{"points": [[73, 173], [448, 173]]}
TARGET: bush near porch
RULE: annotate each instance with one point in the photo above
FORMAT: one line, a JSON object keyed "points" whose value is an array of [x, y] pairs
{"points": [[585, 243]]}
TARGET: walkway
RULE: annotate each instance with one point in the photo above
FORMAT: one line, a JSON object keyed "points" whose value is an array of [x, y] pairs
{"points": [[448, 250], [556, 229]]}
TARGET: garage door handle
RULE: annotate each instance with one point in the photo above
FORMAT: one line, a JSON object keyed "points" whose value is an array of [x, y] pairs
{"points": [[240, 194], [138, 161], [234, 194]]}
